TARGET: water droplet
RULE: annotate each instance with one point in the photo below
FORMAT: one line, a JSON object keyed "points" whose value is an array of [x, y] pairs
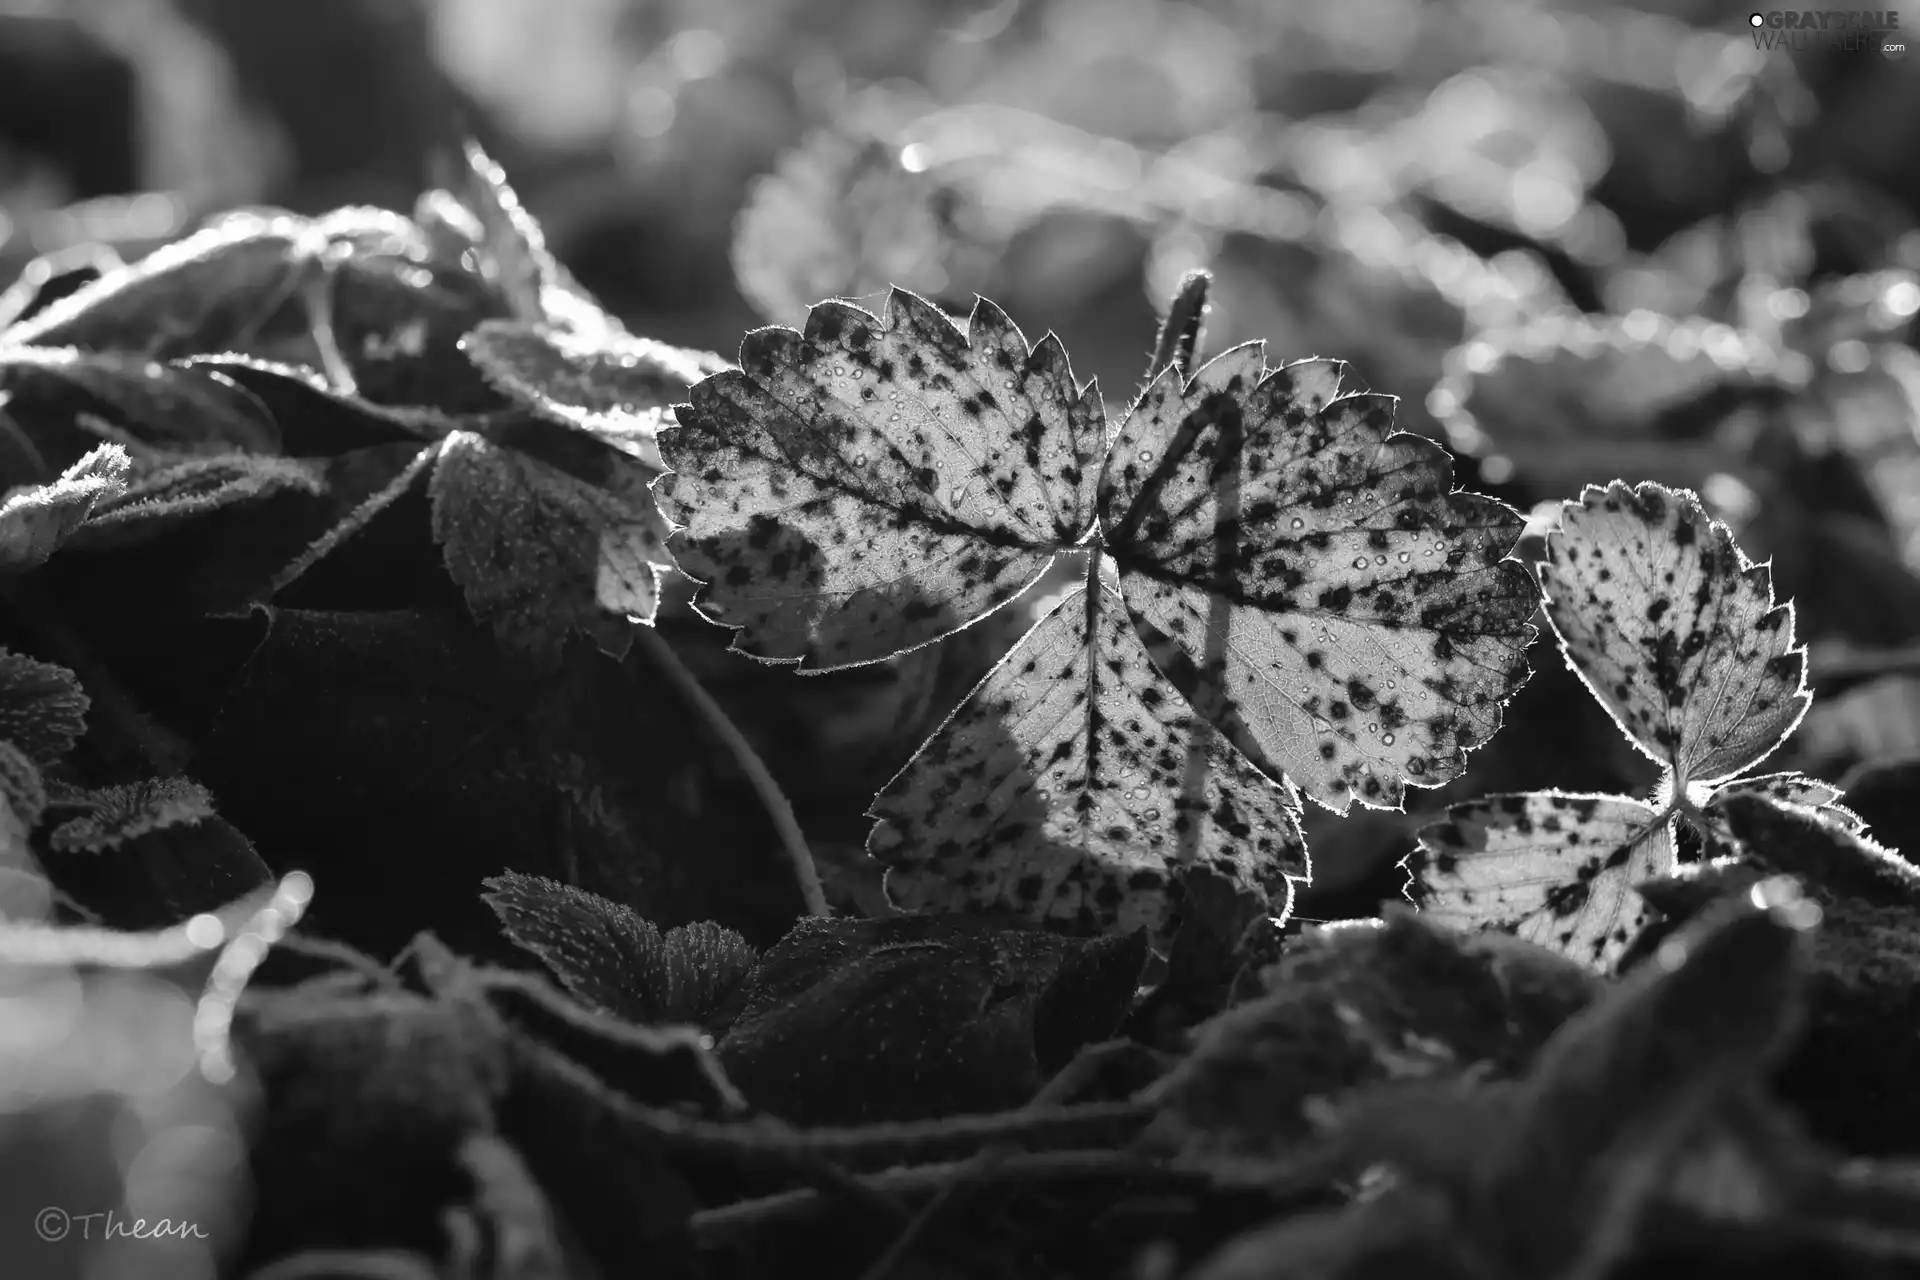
{"points": [[1008, 384], [839, 371], [894, 417], [1392, 685], [1405, 556], [1298, 523], [1146, 455], [1359, 562], [956, 496], [1373, 726], [1387, 738], [859, 459], [1380, 559], [1151, 815]]}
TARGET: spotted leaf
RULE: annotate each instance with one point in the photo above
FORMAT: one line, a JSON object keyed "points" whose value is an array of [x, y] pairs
{"points": [[1330, 589], [1556, 869], [540, 552], [1781, 788], [1674, 630], [36, 519], [618, 388], [1072, 787], [848, 477]]}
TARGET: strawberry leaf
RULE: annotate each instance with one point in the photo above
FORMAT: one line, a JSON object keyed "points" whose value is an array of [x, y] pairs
{"points": [[514, 257], [618, 388], [23, 797], [1790, 789], [847, 475], [539, 552], [1057, 792], [1554, 868], [1674, 631], [43, 710], [173, 495], [169, 407], [1333, 593], [35, 520], [610, 958]]}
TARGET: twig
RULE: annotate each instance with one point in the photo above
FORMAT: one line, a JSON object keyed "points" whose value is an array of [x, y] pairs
{"points": [[712, 1227], [771, 797], [1179, 339]]}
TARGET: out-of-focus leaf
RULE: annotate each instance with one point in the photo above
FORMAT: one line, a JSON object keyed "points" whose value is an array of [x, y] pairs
{"points": [[514, 256], [1556, 869], [1877, 719], [36, 520], [1355, 1008], [168, 407], [609, 957], [52, 276], [23, 797], [43, 710], [857, 1020], [213, 291]]}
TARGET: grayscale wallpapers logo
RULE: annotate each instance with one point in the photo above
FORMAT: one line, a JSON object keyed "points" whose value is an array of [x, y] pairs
{"points": [[1826, 30]]}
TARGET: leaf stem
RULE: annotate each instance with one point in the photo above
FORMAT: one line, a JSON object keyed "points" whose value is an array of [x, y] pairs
{"points": [[778, 808], [1178, 342]]}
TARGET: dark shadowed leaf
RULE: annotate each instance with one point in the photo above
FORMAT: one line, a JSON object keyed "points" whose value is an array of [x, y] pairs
{"points": [[855, 1020], [176, 408], [164, 499], [35, 520], [43, 710], [540, 553], [844, 478], [23, 797], [1332, 592], [610, 958], [213, 291], [1673, 630], [1057, 793], [1554, 868], [1822, 849], [619, 388]]}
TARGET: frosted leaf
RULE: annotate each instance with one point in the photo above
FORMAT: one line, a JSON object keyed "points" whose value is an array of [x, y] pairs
{"points": [[846, 477], [514, 257], [1333, 592], [120, 814], [609, 957], [1058, 792], [1673, 630], [1557, 869], [167, 406], [173, 495], [539, 552], [43, 710], [621, 388], [36, 519]]}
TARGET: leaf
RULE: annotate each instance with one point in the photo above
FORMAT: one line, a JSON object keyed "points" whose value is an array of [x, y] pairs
{"points": [[1357, 1007], [844, 478], [36, 519], [1824, 851], [23, 797], [1317, 571], [167, 406], [1792, 789], [1057, 792], [1557, 869], [43, 710], [212, 291], [1673, 630], [175, 495], [860, 1020], [514, 254], [540, 553], [124, 813], [620, 389], [146, 855], [610, 958]]}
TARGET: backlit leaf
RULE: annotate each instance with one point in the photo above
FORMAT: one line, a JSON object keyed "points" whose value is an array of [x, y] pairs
{"points": [[36, 519], [1673, 630], [845, 477], [1357, 615], [514, 255], [540, 552], [1554, 868], [1793, 789], [1060, 792], [619, 388]]}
